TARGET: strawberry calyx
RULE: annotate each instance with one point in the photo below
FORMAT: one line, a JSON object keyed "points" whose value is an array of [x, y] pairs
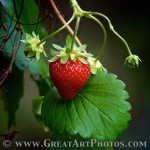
{"points": [[132, 61], [32, 48], [64, 53]]}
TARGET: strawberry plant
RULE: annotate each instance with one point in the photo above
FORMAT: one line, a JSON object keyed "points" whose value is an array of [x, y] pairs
{"points": [[81, 99]]}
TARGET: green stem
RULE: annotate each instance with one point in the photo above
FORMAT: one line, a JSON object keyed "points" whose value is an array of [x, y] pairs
{"points": [[74, 2], [63, 20], [57, 31], [75, 32], [111, 28], [76, 7], [123, 40], [104, 32]]}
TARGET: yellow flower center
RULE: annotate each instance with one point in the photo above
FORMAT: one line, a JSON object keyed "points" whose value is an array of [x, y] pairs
{"points": [[35, 41]]}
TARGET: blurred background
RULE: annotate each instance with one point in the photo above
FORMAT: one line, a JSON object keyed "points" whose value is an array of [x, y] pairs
{"points": [[131, 20]]}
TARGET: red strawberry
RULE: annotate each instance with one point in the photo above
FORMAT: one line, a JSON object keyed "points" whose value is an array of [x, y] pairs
{"points": [[69, 78], [69, 68]]}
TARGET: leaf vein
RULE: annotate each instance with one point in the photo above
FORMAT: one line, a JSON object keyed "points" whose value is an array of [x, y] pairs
{"points": [[88, 115], [77, 114], [68, 117], [101, 112]]}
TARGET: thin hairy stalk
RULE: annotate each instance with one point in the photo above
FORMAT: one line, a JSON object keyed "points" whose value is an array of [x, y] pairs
{"points": [[64, 22], [22, 23], [57, 31], [75, 32], [112, 29], [14, 52], [104, 32]]}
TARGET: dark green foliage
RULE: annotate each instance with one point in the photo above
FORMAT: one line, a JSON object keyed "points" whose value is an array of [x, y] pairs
{"points": [[99, 110], [13, 91]]}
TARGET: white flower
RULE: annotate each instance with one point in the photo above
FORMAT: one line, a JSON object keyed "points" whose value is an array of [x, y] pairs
{"points": [[95, 65], [33, 48]]}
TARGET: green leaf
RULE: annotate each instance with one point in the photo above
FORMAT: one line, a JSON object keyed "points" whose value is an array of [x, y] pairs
{"points": [[36, 104], [53, 59], [36, 107], [43, 84], [43, 67], [99, 110], [30, 14], [11, 98], [83, 60], [64, 59], [54, 53], [73, 57], [93, 70], [57, 47]]}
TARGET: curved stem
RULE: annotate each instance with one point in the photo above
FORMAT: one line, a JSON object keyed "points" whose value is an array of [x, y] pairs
{"points": [[123, 40], [57, 31], [63, 21], [104, 32], [111, 28], [75, 32]]}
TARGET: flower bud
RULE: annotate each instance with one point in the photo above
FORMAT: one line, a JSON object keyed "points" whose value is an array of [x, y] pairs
{"points": [[95, 65], [132, 61], [32, 48]]}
